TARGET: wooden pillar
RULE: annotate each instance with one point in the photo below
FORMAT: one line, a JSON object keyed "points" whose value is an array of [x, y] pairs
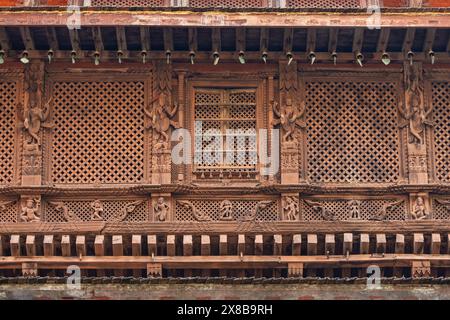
{"points": [[136, 251], [171, 245], [205, 251], [241, 251], [364, 248], [330, 245], [117, 244], [99, 248], [347, 247], [418, 244], [14, 244], [49, 246], [399, 249], [80, 244], [30, 245], [277, 251], [223, 251], [297, 245], [258, 252], [312, 251], [435, 249], [65, 246], [187, 251], [381, 243], [152, 245]]}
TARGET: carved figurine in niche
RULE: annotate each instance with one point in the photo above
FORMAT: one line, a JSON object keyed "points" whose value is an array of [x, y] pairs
{"points": [[415, 111], [160, 114], [288, 117], [30, 211], [97, 207], [33, 117], [291, 208], [161, 209], [419, 210], [226, 210], [354, 209]]}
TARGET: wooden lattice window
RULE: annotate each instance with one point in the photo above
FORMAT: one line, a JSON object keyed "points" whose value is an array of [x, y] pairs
{"points": [[225, 3], [441, 103], [352, 132], [225, 131], [8, 94], [324, 3], [98, 135], [127, 3]]}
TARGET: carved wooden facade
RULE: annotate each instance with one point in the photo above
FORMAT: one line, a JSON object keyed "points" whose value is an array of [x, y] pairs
{"points": [[86, 167]]}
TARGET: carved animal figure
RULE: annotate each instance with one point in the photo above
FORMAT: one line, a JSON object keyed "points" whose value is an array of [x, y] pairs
{"points": [[252, 214], [323, 212], [198, 215], [384, 211]]}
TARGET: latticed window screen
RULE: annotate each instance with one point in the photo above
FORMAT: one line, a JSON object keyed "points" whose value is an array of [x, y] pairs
{"points": [[225, 3], [352, 132], [441, 103], [225, 129], [324, 3], [8, 93], [98, 135], [127, 3]]}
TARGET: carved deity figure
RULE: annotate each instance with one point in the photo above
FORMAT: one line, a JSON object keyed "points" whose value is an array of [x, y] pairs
{"points": [[226, 210], [33, 117], [161, 209], [160, 113], [291, 209], [97, 213], [419, 210], [30, 211], [414, 110], [354, 209], [288, 117]]}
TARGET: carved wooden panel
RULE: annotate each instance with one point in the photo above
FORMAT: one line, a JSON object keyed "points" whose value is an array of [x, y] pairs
{"points": [[8, 211], [441, 115], [353, 209], [111, 210], [215, 210], [98, 135], [231, 114], [441, 209], [323, 3], [352, 132], [8, 95]]}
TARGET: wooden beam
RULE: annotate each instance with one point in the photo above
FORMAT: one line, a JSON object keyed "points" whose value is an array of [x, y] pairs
{"points": [[14, 244], [4, 40], [205, 247], [168, 39], [330, 246], [288, 39], [264, 39], [65, 246], [152, 245], [347, 248], [383, 40], [117, 246], [223, 244], [49, 246], [80, 244], [311, 40], [193, 44], [409, 40], [259, 245], [2, 246], [121, 39], [99, 248], [297, 245], [216, 39], [187, 245], [27, 39], [380, 243], [98, 41], [30, 245], [418, 244], [429, 39], [332, 41], [435, 243], [145, 38], [52, 38], [399, 249], [358, 39], [170, 245], [311, 247]]}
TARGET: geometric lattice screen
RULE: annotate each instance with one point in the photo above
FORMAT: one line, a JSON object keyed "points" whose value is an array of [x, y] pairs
{"points": [[8, 94], [98, 135], [323, 3], [126, 3], [352, 132], [441, 112]]}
